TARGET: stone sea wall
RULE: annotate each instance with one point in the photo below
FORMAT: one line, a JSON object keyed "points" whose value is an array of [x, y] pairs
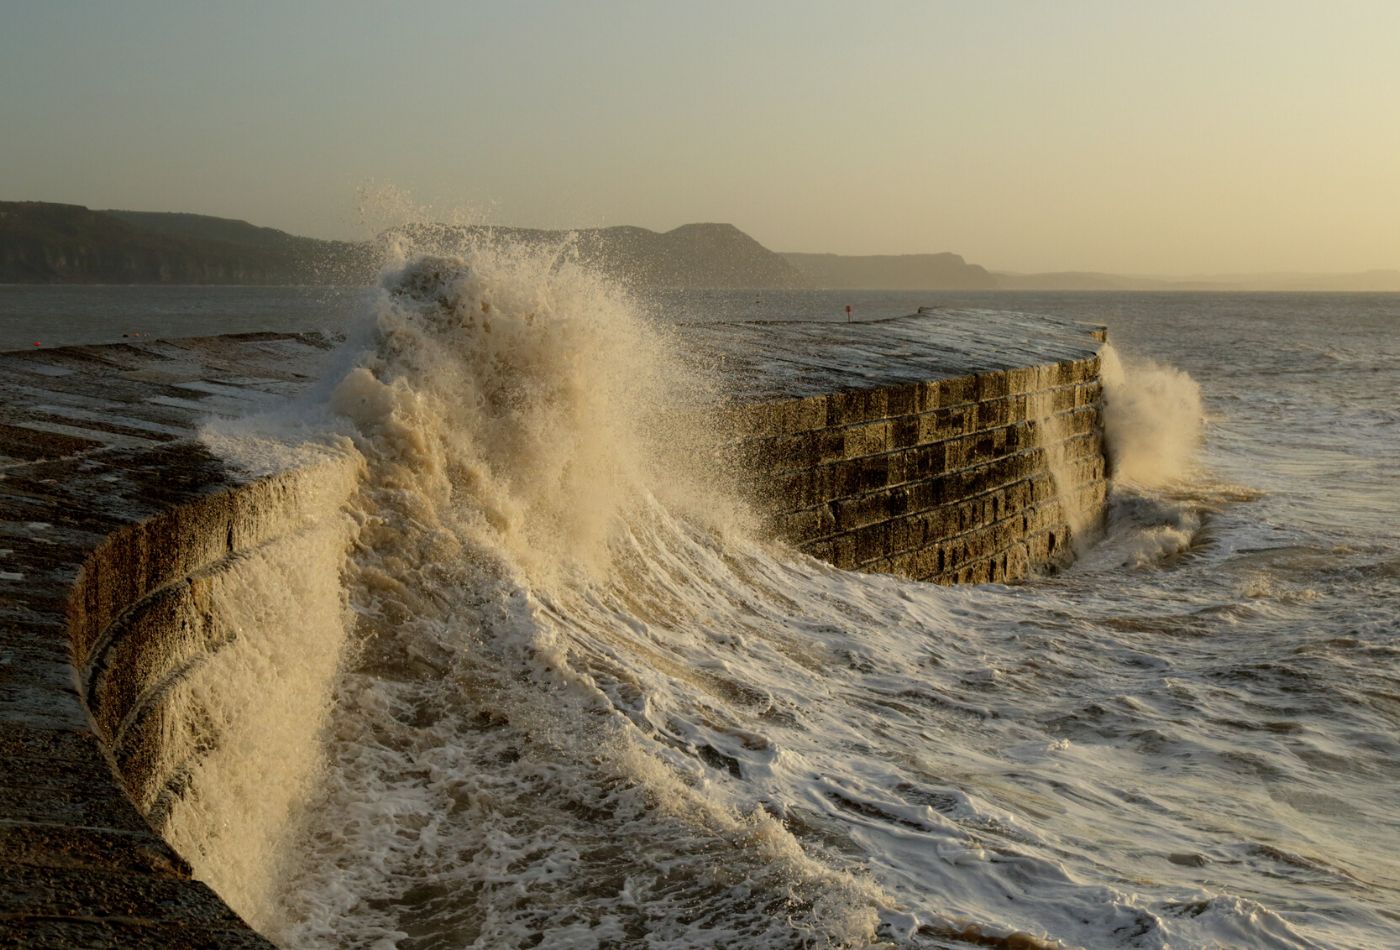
{"points": [[144, 616], [116, 526], [951, 481], [120, 533]]}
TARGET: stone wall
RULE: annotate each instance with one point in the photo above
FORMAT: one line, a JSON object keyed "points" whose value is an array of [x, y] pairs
{"points": [[951, 480], [116, 528], [106, 625], [144, 617]]}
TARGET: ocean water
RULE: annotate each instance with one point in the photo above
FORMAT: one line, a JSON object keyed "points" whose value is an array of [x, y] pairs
{"points": [[39, 315], [582, 702]]}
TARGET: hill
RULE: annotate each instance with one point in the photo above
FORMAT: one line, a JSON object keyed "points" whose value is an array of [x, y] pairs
{"points": [[42, 242], [691, 256], [892, 272]]}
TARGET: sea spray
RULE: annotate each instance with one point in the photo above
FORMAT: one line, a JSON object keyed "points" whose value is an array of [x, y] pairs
{"points": [[525, 437], [1153, 421], [692, 740], [1154, 425], [1051, 436]]}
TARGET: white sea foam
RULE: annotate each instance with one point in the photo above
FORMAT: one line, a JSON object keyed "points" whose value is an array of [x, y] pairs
{"points": [[1153, 421]]}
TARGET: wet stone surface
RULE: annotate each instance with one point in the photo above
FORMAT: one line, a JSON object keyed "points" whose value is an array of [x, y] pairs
{"points": [[93, 441], [792, 360]]}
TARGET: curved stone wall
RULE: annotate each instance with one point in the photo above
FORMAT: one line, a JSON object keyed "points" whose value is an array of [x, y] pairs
{"points": [[118, 535], [114, 528], [144, 617]]}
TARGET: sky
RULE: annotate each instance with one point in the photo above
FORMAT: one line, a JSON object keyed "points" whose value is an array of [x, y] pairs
{"points": [[1134, 137]]}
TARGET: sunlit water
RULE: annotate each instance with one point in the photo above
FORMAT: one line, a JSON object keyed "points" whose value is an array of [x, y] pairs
{"points": [[650, 728]]}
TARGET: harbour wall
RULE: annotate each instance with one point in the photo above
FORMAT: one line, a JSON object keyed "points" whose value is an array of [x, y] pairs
{"points": [[121, 535], [975, 479]]}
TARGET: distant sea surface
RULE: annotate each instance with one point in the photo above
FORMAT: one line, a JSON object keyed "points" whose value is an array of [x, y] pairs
{"points": [[1191, 738]]}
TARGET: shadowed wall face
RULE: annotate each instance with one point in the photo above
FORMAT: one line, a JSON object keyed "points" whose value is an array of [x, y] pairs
{"points": [[975, 479]]}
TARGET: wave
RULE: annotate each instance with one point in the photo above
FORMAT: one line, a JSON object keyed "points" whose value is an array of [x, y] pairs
{"points": [[1154, 421], [582, 702]]}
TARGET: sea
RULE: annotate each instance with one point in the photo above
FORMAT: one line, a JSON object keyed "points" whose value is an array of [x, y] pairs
{"points": [[576, 699]]}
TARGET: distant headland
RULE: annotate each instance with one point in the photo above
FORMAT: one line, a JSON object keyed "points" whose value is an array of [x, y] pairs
{"points": [[50, 243]]}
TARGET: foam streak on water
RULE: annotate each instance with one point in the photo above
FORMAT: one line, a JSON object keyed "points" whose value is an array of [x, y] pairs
{"points": [[588, 707]]}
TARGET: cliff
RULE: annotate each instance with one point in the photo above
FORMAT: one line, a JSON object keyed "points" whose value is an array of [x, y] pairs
{"points": [[46, 243], [41, 242], [688, 257], [891, 272]]}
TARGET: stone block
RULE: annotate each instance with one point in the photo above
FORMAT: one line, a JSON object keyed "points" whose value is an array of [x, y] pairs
{"points": [[867, 439], [946, 423], [929, 396], [907, 533], [859, 476], [993, 385], [857, 512], [1088, 394], [808, 524], [856, 405], [872, 542], [904, 432], [748, 420], [926, 461], [1022, 379], [777, 417], [958, 391], [899, 466], [903, 400], [992, 413]]}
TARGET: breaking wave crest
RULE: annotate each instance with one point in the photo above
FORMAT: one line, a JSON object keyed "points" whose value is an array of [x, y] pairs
{"points": [[534, 510], [1153, 421]]}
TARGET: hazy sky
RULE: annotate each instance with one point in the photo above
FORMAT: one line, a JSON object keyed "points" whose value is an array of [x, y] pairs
{"points": [[1170, 137]]}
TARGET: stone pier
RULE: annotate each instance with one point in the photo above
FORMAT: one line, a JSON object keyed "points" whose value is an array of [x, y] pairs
{"points": [[917, 446]]}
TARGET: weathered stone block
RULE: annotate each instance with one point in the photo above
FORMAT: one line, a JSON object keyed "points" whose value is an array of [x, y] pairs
{"points": [[867, 439], [857, 405], [857, 512], [806, 525], [992, 413], [904, 432], [859, 475], [958, 391], [990, 386], [903, 400], [1021, 380], [872, 542]]}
